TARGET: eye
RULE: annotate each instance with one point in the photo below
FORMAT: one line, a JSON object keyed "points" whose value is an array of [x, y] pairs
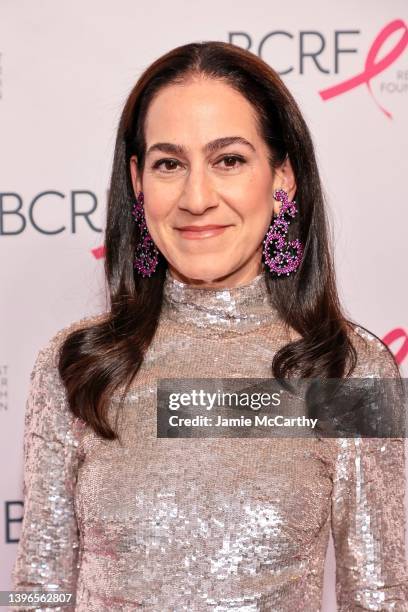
{"points": [[170, 164], [236, 160]]}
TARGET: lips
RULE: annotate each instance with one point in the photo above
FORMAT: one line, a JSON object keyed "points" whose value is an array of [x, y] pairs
{"points": [[192, 232], [199, 228]]}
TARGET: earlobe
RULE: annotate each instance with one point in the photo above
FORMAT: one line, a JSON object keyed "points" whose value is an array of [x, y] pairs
{"points": [[276, 208], [134, 173], [288, 177]]}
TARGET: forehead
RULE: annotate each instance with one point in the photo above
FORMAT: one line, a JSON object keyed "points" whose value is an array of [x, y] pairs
{"points": [[201, 109]]}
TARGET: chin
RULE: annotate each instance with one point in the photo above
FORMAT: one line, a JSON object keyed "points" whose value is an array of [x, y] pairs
{"points": [[204, 273]]}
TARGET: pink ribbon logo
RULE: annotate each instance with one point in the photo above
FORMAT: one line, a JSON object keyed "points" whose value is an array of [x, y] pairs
{"points": [[98, 252], [393, 336], [372, 68]]}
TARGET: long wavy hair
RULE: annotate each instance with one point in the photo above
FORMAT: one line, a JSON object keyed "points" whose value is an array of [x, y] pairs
{"points": [[97, 359]]}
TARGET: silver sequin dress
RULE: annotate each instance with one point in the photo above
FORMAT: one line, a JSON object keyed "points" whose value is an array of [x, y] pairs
{"points": [[171, 525]]}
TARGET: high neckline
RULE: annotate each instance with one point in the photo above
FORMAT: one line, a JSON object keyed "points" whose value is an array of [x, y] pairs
{"points": [[237, 309]]}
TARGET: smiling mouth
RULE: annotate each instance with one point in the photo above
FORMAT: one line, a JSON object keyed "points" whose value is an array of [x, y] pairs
{"points": [[206, 231]]}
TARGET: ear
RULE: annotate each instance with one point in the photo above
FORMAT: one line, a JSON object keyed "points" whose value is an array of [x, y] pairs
{"points": [[284, 179], [135, 175]]}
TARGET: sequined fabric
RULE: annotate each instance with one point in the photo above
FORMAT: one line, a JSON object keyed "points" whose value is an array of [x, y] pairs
{"points": [[207, 524]]}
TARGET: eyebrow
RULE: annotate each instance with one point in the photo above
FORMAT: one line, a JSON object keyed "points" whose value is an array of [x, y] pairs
{"points": [[210, 147]]}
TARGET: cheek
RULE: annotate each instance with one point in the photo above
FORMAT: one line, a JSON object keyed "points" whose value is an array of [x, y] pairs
{"points": [[252, 189], [158, 205], [256, 206], [159, 195]]}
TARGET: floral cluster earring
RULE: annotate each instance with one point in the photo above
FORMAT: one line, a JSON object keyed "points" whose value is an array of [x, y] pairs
{"points": [[147, 255], [280, 256]]}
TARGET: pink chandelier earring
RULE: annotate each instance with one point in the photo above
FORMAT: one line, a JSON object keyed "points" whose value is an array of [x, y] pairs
{"points": [[282, 257], [147, 255]]}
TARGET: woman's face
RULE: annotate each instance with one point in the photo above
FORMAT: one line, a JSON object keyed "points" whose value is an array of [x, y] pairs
{"points": [[206, 164]]}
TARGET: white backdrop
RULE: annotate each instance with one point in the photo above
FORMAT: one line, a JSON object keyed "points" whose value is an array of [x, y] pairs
{"points": [[65, 71]]}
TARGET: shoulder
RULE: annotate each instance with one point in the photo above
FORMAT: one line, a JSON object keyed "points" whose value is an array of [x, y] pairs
{"points": [[374, 357], [48, 353], [47, 411], [47, 402]]}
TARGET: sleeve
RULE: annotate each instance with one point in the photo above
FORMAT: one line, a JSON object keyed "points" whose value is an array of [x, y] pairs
{"points": [[368, 522], [47, 553]]}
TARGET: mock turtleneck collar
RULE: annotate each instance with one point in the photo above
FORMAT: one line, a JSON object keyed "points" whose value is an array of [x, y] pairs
{"points": [[238, 309]]}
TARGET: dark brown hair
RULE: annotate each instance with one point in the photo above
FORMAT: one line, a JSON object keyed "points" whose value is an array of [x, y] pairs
{"points": [[95, 360]]}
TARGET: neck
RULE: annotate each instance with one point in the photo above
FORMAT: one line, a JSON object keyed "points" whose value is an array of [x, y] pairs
{"points": [[237, 309], [240, 277]]}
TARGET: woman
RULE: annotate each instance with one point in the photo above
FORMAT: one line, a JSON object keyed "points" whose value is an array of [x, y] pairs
{"points": [[209, 136]]}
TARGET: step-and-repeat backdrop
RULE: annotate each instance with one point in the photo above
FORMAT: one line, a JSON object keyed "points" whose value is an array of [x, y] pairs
{"points": [[65, 71]]}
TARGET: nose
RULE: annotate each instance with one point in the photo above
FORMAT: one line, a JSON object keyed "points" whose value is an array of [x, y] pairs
{"points": [[198, 191]]}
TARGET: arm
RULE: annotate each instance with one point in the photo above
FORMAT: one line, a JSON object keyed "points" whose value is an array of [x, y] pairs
{"points": [[368, 521], [368, 517], [47, 555]]}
